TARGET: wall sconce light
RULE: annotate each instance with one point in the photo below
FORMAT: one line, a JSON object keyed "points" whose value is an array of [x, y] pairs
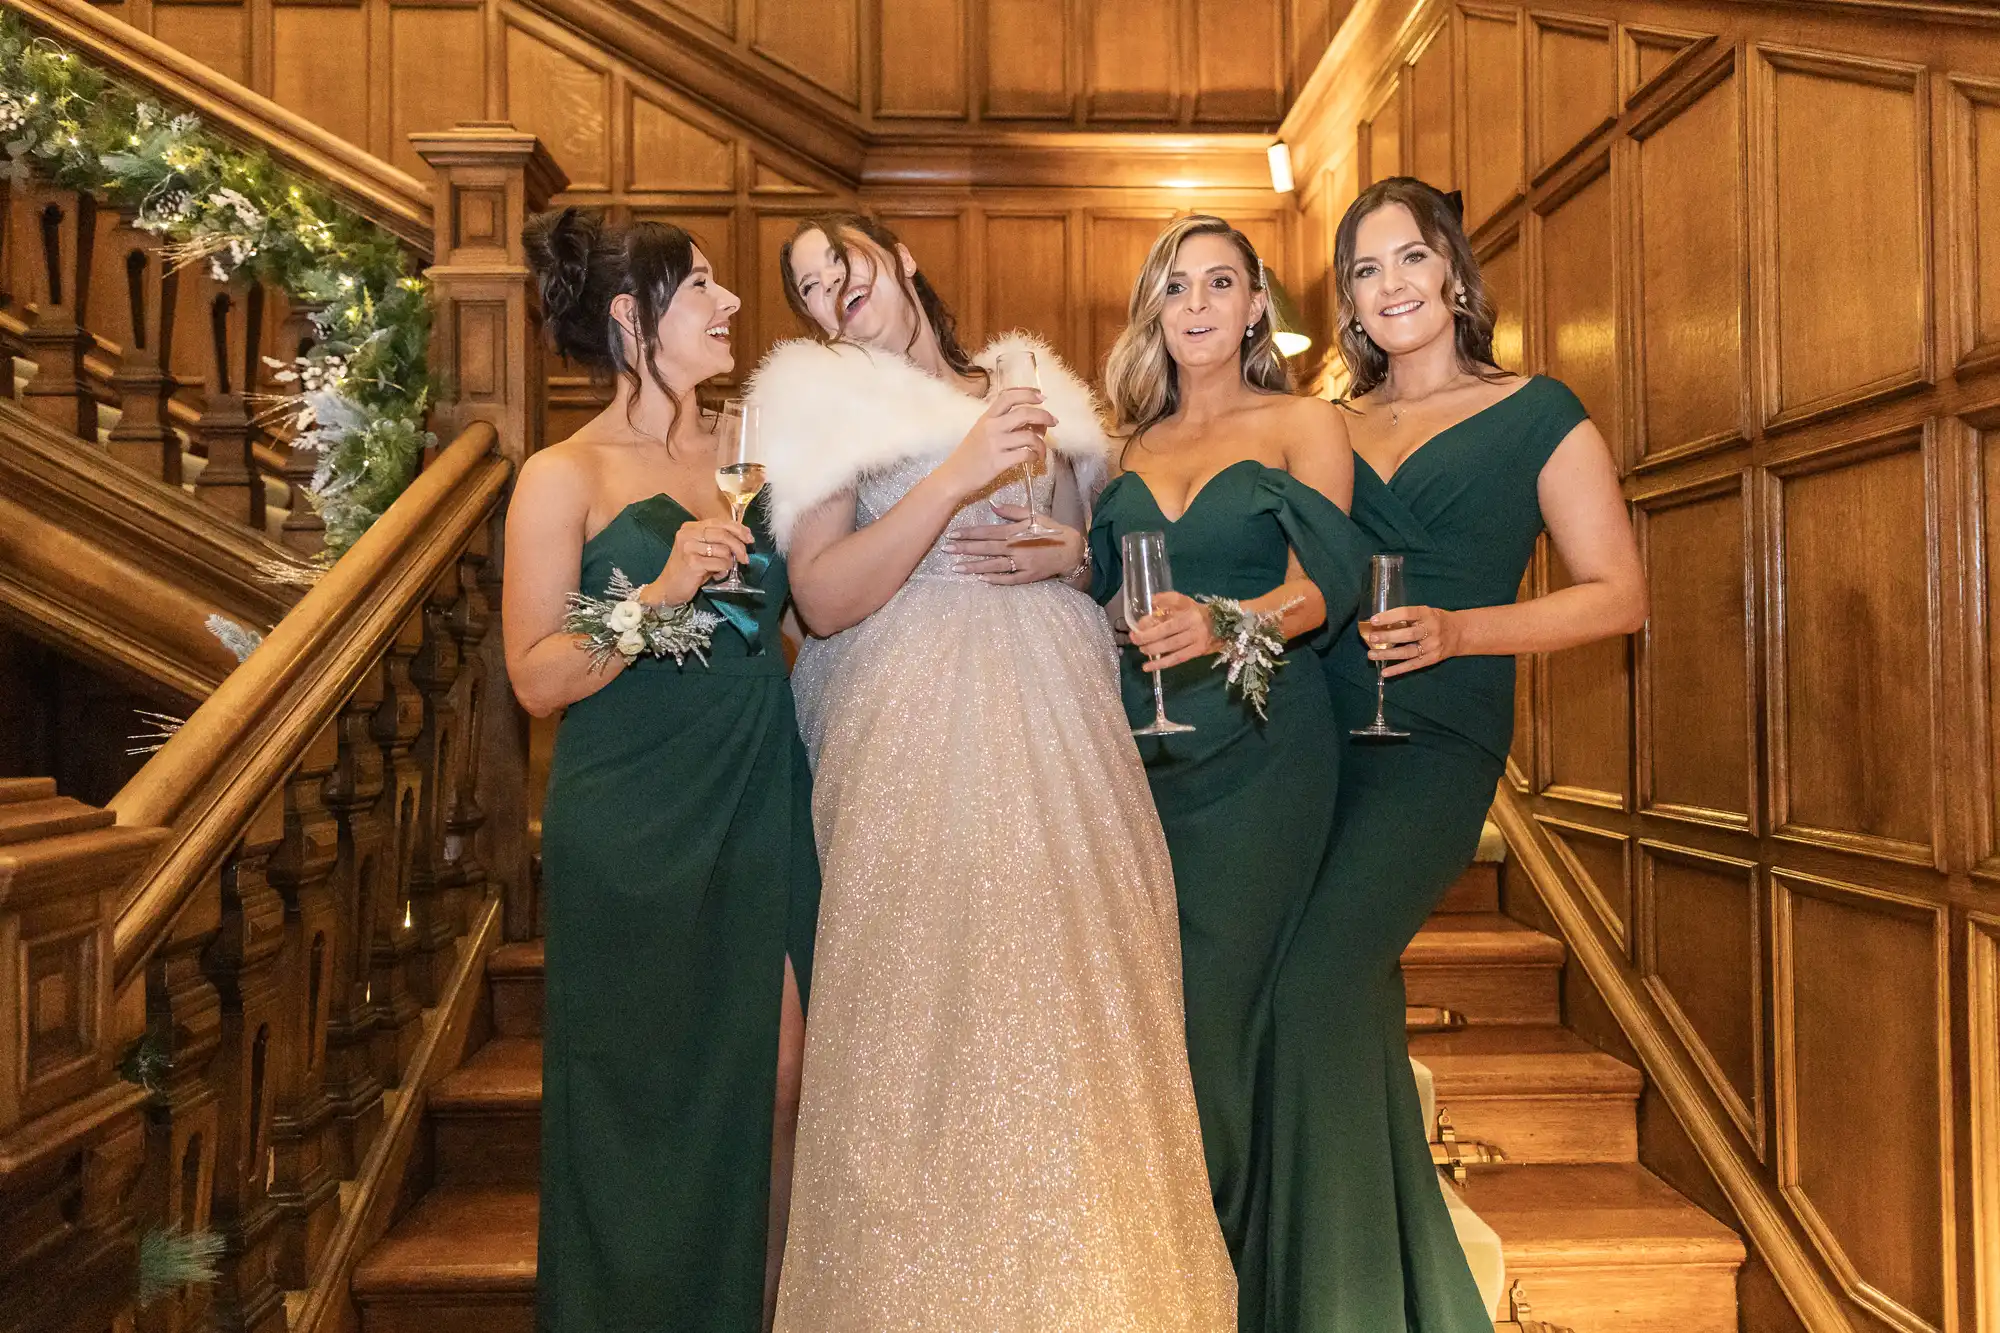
{"points": [[1280, 158], [1285, 319]]}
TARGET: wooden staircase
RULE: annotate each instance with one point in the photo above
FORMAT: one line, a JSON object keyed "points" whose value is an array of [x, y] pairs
{"points": [[1598, 1243]]}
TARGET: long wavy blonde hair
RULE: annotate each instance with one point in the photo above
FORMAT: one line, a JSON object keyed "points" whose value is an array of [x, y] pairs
{"points": [[1140, 377]]}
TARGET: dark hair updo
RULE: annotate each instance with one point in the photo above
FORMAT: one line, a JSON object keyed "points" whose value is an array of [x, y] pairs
{"points": [[581, 263]]}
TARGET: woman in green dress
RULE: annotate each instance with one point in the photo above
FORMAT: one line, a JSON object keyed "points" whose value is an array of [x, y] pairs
{"points": [[1245, 480], [1460, 466], [677, 850]]}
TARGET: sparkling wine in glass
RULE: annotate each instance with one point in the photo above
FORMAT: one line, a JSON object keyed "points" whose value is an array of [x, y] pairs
{"points": [[739, 475], [1017, 370], [1385, 593], [1147, 575]]}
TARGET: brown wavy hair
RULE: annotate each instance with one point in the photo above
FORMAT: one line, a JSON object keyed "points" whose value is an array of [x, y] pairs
{"points": [[1439, 222], [1140, 377], [845, 231]]}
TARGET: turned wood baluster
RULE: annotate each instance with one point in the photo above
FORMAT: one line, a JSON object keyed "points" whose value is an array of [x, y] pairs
{"points": [[353, 794], [144, 436], [182, 1005], [63, 228], [229, 481], [398, 719], [242, 962], [304, 1189], [304, 530], [464, 869], [434, 907]]}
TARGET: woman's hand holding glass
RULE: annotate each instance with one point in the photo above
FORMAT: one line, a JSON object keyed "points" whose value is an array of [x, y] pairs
{"points": [[1411, 637], [704, 549], [1178, 631], [1003, 440], [995, 553]]}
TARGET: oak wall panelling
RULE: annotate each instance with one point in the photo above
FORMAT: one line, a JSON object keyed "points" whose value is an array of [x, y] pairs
{"points": [[1756, 238], [869, 65]]}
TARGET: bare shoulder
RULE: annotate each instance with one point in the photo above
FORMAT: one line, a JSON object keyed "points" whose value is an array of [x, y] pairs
{"points": [[559, 477], [1313, 428]]}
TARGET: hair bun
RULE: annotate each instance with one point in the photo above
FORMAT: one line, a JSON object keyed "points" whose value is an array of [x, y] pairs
{"points": [[560, 244]]}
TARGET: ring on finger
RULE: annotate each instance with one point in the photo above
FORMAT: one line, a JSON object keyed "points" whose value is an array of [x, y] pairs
{"points": [[1013, 565]]}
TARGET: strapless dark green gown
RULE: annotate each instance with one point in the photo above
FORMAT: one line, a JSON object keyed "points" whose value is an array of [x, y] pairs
{"points": [[1247, 806], [1360, 1239], [678, 872]]}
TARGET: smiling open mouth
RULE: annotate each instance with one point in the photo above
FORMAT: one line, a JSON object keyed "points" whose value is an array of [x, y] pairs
{"points": [[1401, 308], [854, 300], [719, 331]]}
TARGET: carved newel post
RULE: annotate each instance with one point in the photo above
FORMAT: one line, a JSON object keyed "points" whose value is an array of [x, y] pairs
{"points": [[486, 343]]}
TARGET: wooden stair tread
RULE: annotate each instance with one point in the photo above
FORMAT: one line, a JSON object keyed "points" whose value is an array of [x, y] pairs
{"points": [[458, 1239], [1521, 1062], [1463, 939], [503, 1075], [516, 960], [26, 789], [50, 816], [1595, 1215]]}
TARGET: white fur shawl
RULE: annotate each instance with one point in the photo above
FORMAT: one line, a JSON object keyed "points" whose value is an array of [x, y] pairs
{"points": [[829, 415]]}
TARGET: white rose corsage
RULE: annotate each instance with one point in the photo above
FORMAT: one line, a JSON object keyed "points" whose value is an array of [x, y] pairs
{"points": [[619, 623], [1253, 646]]}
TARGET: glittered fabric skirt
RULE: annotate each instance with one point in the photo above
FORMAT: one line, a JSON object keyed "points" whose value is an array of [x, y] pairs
{"points": [[998, 1132]]}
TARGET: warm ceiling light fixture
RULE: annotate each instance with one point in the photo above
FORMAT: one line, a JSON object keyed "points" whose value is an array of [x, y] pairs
{"points": [[1281, 167]]}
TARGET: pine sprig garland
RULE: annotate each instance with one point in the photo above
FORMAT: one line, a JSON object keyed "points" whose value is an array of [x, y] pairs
{"points": [[359, 397]]}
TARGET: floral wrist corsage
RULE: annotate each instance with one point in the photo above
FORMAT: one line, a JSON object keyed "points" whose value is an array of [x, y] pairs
{"points": [[619, 623], [1253, 645]]}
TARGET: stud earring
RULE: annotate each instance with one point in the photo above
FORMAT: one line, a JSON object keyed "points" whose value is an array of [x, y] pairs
{"points": [[1357, 326], [1250, 332]]}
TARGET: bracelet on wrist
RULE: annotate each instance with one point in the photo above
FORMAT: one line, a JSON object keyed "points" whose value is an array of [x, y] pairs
{"points": [[1252, 646], [619, 625]]}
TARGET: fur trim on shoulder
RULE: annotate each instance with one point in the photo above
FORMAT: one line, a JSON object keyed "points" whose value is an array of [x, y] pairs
{"points": [[831, 414]]}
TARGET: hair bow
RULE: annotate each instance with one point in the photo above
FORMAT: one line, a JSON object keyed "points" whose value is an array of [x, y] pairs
{"points": [[1456, 198]]}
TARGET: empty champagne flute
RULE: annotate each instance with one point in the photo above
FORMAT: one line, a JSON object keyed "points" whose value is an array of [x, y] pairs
{"points": [[1385, 593], [1017, 370], [739, 475], [1147, 575]]}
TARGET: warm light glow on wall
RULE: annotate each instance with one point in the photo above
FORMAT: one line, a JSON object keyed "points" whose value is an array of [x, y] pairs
{"points": [[1281, 167]]}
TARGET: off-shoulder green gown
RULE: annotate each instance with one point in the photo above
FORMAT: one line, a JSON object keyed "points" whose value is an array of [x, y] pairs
{"points": [[1247, 805], [1360, 1239], [679, 872]]}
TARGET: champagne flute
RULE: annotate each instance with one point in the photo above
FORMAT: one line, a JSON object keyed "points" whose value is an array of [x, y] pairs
{"points": [[1147, 575], [1017, 370], [1385, 593], [739, 474]]}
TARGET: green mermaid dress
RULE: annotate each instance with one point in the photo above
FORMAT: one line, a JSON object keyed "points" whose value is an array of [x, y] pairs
{"points": [[1247, 805], [679, 873], [1360, 1239]]}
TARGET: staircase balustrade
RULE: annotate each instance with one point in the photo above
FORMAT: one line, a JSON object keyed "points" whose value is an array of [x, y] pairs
{"points": [[231, 977]]}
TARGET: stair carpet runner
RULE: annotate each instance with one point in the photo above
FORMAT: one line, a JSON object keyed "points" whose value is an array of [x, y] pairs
{"points": [[1596, 1242]]}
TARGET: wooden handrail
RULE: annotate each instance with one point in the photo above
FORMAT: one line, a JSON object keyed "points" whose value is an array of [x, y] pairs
{"points": [[383, 193], [210, 779]]}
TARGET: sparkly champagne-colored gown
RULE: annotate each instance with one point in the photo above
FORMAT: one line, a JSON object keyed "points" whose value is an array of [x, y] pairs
{"points": [[998, 1132]]}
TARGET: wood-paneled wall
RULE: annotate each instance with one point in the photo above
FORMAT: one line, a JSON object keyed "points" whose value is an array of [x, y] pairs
{"points": [[1762, 242], [1211, 64], [1053, 248]]}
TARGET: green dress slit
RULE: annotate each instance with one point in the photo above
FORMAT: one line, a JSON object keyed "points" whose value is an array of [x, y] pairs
{"points": [[679, 873], [1247, 806], [1360, 1239]]}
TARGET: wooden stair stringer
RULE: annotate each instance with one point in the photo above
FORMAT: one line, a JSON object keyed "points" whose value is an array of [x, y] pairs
{"points": [[120, 570]]}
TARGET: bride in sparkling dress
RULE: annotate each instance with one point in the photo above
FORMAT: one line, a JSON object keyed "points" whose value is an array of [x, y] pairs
{"points": [[997, 1131]]}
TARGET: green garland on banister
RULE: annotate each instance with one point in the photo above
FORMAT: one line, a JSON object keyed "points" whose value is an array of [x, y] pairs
{"points": [[358, 398]]}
